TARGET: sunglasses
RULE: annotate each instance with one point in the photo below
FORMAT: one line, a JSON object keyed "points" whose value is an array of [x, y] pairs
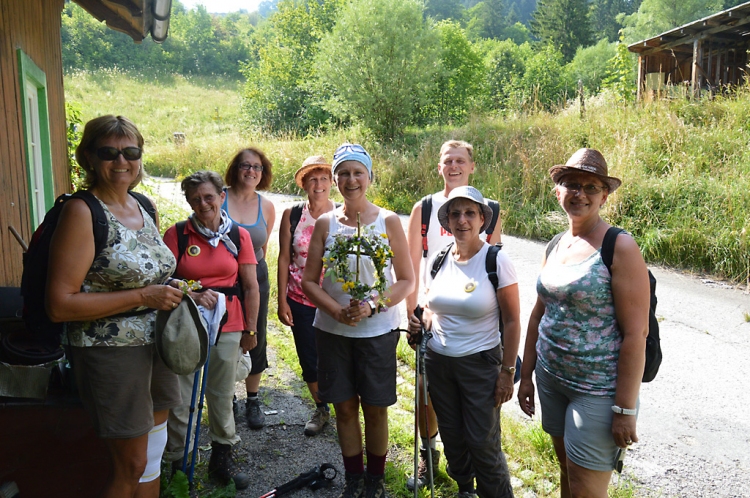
{"points": [[112, 153], [589, 189], [349, 148], [248, 166]]}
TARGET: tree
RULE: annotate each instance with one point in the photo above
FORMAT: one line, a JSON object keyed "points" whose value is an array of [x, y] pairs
{"points": [[604, 17], [657, 16], [544, 84], [378, 63], [563, 24], [506, 65], [591, 64], [487, 19], [444, 9]]}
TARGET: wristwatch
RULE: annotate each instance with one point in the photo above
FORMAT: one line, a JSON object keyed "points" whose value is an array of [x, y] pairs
{"points": [[624, 411], [510, 370], [373, 308], [249, 332]]}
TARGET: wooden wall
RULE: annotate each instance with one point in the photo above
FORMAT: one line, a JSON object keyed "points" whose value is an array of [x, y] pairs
{"points": [[34, 27]]}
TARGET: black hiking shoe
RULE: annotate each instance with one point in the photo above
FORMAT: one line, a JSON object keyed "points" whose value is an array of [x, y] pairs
{"points": [[354, 486], [375, 486], [423, 479], [255, 417], [222, 467]]}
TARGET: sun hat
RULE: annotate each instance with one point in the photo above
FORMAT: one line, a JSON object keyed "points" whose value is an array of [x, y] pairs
{"points": [[587, 161], [309, 164], [352, 152], [465, 192], [182, 338]]}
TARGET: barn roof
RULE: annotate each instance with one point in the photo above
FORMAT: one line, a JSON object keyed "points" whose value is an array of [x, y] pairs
{"points": [[136, 18]]}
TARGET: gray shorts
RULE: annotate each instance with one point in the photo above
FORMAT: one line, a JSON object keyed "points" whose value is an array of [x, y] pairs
{"points": [[584, 421], [122, 386], [350, 367]]}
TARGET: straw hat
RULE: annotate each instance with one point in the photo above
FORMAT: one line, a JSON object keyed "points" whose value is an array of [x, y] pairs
{"points": [[309, 164], [465, 192], [588, 161], [182, 338]]}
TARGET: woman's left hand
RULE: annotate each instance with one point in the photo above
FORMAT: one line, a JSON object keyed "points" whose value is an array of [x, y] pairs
{"points": [[623, 430], [503, 387], [208, 298]]}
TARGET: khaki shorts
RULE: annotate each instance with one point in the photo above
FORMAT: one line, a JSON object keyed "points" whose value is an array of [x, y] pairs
{"points": [[122, 386], [350, 367]]}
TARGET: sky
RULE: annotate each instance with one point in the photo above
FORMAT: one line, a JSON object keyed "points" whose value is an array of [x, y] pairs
{"points": [[222, 6]]}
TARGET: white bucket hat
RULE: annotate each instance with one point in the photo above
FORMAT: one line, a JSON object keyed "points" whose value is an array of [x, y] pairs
{"points": [[182, 338], [465, 192]]}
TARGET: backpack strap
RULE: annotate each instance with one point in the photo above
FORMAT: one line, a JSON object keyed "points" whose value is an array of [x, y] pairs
{"points": [[495, 206], [552, 243], [294, 216], [426, 212], [490, 264], [146, 203], [608, 246], [98, 217], [182, 239], [440, 259]]}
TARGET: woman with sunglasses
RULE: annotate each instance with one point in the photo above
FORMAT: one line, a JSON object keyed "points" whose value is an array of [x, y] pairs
{"points": [[356, 340], [249, 171], [586, 338], [109, 303]]}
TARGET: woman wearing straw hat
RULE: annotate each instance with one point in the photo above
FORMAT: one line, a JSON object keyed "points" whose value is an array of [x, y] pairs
{"points": [[357, 339], [295, 309], [586, 338], [470, 366]]}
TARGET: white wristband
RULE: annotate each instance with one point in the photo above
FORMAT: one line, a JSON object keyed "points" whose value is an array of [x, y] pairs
{"points": [[624, 411]]}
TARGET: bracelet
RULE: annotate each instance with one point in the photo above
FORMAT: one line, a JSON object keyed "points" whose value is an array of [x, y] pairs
{"points": [[624, 411]]}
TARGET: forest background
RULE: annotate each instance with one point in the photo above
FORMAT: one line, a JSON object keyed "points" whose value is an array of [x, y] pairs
{"points": [[298, 77]]}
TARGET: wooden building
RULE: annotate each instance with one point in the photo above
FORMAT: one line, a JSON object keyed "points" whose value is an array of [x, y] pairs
{"points": [[709, 54], [33, 150]]}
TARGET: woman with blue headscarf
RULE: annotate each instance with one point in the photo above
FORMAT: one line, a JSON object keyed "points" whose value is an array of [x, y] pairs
{"points": [[357, 339]]}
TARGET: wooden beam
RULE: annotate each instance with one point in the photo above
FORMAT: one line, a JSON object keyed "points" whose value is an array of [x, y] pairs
{"points": [[639, 92], [694, 78]]}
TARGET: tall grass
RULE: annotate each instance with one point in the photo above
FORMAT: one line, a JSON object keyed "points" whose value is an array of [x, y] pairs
{"points": [[685, 165]]}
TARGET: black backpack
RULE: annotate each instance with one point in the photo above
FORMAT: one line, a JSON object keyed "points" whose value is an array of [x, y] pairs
{"points": [[490, 266], [653, 344], [427, 211], [294, 216], [36, 263]]}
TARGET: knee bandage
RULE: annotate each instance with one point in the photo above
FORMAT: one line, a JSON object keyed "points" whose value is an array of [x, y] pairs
{"points": [[157, 441]]}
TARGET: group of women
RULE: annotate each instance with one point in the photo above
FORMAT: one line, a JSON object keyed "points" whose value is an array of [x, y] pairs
{"points": [[585, 341]]}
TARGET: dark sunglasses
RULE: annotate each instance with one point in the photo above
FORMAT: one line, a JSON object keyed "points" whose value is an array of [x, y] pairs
{"points": [[112, 153]]}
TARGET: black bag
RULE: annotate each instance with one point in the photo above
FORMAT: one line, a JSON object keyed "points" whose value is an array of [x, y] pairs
{"points": [[36, 263], [653, 344], [490, 266], [427, 211]]}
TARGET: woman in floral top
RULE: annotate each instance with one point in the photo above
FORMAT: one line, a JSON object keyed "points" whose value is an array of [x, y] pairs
{"points": [[586, 339], [295, 309], [110, 303]]}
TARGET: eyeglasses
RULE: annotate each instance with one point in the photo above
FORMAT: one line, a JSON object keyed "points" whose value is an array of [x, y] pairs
{"points": [[349, 148], [589, 189], [112, 153], [247, 167]]}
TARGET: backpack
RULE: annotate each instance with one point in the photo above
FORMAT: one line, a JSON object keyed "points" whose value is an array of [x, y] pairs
{"points": [[294, 216], [234, 235], [653, 344], [36, 263], [490, 266], [427, 211]]}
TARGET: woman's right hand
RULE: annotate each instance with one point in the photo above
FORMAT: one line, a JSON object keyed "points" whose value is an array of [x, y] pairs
{"points": [[161, 297], [285, 313], [526, 397]]}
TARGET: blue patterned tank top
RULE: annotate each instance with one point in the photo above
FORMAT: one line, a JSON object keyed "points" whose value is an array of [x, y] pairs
{"points": [[579, 339]]}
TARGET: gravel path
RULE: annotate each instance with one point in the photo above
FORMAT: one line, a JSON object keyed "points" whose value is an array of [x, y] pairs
{"points": [[694, 426]]}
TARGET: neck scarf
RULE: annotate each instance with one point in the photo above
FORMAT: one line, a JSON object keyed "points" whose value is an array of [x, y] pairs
{"points": [[222, 235]]}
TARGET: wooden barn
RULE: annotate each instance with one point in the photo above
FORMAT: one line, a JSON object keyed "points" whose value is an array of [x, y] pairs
{"points": [[48, 445], [709, 55]]}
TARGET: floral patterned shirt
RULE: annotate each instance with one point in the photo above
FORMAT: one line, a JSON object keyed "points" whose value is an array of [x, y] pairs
{"points": [[301, 244], [131, 259], [579, 338]]}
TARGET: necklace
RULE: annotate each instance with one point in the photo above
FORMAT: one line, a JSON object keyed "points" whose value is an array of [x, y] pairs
{"points": [[582, 236]]}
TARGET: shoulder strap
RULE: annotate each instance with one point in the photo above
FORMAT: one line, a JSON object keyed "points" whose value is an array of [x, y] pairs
{"points": [[234, 236], [426, 212], [495, 206], [490, 264], [182, 239], [294, 216], [146, 203], [98, 217], [608, 246], [552, 243], [440, 259]]}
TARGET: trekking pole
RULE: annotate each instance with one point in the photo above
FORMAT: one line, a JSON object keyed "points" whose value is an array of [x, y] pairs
{"points": [[198, 422], [416, 421], [196, 433], [426, 336], [189, 431], [318, 477]]}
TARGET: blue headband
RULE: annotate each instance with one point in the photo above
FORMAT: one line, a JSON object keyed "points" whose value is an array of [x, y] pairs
{"points": [[352, 152]]}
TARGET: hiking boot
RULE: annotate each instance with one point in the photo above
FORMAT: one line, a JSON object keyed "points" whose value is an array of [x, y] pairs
{"points": [[235, 406], [255, 417], [467, 494], [375, 486], [319, 419], [423, 479], [222, 467], [354, 486]]}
